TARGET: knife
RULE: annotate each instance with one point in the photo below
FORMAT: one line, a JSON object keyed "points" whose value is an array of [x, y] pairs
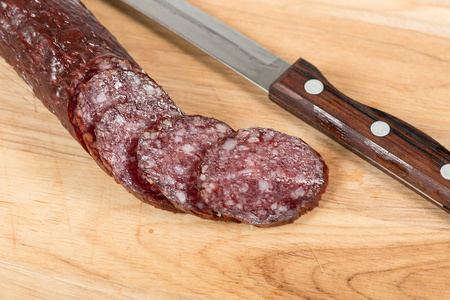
{"points": [[397, 148]]}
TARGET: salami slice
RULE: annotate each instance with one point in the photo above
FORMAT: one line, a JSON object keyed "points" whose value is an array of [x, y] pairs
{"points": [[262, 177], [85, 79], [117, 136], [170, 155], [108, 88]]}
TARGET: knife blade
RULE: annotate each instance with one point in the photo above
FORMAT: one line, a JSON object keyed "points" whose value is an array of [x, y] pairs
{"points": [[394, 146]]}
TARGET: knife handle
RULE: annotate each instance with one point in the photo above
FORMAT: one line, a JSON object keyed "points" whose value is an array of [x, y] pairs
{"points": [[394, 146]]}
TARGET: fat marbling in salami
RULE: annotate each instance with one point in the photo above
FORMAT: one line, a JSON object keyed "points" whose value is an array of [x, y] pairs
{"points": [[108, 88], [262, 177], [170, 155]]}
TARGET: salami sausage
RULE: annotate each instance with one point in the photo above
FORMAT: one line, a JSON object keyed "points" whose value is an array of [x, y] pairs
{"points": [[262, 177], [59, 48], [118, 134], [55, 46], [170, 155]]}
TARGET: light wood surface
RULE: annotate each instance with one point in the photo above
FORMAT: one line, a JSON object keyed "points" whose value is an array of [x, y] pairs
{"points": [[69, 231]]}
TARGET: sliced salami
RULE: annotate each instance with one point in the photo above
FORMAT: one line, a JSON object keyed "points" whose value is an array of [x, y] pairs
{"points": [[117, 136], [82, 74], [170, 155], [262, 177]]}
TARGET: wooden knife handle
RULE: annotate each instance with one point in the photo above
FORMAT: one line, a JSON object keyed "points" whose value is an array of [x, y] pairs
{"points": [[394, 146]]}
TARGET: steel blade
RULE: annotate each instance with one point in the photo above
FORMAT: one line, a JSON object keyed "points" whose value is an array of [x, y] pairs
{"points": [[215, 38]]}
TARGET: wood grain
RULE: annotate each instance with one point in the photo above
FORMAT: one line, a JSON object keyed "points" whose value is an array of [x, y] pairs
{"points": [[68, 231]]}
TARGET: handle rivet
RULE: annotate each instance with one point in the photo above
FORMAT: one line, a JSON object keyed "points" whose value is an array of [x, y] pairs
{"points": [[445, 171], [314, 87], [380, 128]]}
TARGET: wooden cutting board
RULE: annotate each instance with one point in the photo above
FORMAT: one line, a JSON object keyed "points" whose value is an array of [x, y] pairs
{"points": [[67, 230]]}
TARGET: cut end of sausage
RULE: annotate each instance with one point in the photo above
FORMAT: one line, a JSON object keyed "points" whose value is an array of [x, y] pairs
{"points": [[112, 87], [262, 177], [170, 155]]}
